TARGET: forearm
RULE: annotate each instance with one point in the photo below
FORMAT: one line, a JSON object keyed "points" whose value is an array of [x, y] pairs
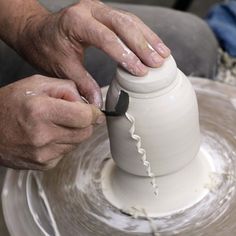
{"points": [[15, 15]]}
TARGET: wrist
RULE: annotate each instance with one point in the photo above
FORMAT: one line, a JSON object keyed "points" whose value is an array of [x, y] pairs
{"points": [[30, 30], [37, 39], [16, 16]]}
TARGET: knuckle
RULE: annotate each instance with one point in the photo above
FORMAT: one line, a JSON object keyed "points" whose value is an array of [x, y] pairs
{"points": [[123, 18], [33, 123], [30, 106], [39, 137], [108, 38], [75, 14], [154, 38], [39, 157], [36, 141], [70, 11], [34, 108], [134, 17]]}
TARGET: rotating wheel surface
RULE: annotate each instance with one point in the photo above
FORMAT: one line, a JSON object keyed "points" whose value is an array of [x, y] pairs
{"points": [[68, 200]]}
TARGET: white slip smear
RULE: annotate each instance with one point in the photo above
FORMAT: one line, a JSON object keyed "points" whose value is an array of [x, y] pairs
{"points": [[233, 101], [150, 47], [125, 48], [142, 152], [30, 93], [43, 197], [136, 211], [152, 223]]}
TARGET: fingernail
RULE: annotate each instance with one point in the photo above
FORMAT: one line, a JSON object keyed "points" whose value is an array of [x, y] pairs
{"points": [[98, 100], [163, 49], [101, 119], [140, 69], [156, 59]]}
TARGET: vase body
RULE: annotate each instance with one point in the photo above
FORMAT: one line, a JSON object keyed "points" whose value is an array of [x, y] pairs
{"points": [[164, 107]]}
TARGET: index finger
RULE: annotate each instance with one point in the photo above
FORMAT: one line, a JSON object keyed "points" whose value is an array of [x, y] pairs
{"points": [[74, 114], [102, 37]]}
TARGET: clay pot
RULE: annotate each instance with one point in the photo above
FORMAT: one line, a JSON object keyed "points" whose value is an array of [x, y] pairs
{"points": [[164, 107]]}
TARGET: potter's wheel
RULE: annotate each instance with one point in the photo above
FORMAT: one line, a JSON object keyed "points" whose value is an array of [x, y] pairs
{"points": [[69, 201]]}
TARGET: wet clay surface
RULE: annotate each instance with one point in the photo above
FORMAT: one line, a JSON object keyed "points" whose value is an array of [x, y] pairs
{"points": [[73, 188]]}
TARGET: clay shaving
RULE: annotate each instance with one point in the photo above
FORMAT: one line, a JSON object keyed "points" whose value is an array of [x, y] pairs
{"points": [[142, 152]]}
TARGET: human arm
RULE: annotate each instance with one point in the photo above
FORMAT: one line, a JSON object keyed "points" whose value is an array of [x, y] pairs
{"points": [[55, 42], [42, 119]]}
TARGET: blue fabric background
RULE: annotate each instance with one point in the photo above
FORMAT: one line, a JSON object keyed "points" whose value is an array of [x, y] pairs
{"points": [[222, 20]]}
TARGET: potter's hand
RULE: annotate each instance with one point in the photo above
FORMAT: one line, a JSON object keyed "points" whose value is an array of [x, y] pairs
{"points": [[42, 119], [55, 42]]}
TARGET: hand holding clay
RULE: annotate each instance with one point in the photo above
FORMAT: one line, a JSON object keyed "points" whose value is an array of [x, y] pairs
{"points": [[56, 43], [41, 120]]}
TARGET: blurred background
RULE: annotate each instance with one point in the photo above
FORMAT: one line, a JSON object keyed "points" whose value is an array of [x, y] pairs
{"points": [[198, 7]]}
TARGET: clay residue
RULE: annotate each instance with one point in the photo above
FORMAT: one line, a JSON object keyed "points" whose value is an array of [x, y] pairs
{"points": [[136, 212], [43, 197], [83, 210], [233, 101]]}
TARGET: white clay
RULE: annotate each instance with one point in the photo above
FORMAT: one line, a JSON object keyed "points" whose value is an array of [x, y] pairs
{"points": [[141, 151], [156, 141], [43, 197], [233, 101], [177, 191], [165, 109]]}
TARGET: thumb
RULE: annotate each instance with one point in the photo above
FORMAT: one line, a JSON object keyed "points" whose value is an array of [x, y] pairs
{"points": [[73, 114]]}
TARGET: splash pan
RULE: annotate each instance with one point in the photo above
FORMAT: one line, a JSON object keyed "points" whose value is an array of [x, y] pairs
{"points": [[69, 200]]}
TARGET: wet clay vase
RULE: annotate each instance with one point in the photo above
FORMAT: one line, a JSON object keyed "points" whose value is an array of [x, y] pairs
{"points": [[164, 107], [157, 163]]}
